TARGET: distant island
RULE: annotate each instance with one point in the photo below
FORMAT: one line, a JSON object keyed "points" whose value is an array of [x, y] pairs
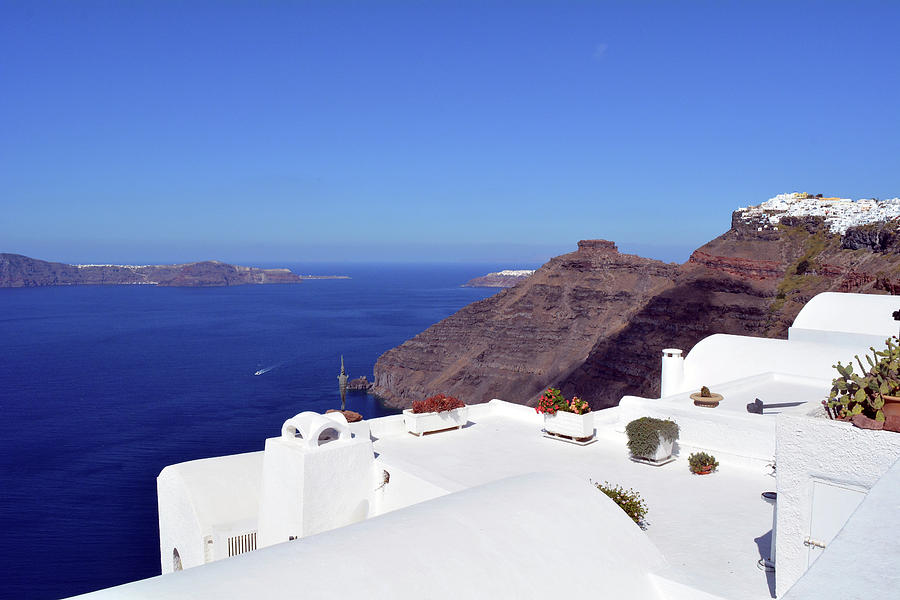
{"points": [[500, 279], [21, 271]]}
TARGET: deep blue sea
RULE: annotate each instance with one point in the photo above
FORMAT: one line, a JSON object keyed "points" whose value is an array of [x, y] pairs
{"points": [[102, 387]]}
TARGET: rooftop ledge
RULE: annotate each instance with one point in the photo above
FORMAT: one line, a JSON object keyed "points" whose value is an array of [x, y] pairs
{"points": [[711, 530], [718, 525], [729, 429]]}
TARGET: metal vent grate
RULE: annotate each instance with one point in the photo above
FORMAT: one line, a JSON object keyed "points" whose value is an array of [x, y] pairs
{"points": [[241, 543]]}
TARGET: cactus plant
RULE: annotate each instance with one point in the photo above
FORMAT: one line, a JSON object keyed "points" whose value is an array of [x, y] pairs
{"points": [[853, 393]]}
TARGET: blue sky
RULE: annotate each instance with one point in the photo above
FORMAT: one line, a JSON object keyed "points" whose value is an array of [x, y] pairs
{"points": [[297, 131]]}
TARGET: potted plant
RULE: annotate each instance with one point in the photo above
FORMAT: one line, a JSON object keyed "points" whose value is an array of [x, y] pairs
{"points": [[871, 392], [651, 440], [566, 418], [436, 413], [702, 463], [705, 398]]}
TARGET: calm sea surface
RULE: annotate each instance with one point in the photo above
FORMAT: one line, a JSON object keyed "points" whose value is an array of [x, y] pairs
{"points": [[102, 387]]}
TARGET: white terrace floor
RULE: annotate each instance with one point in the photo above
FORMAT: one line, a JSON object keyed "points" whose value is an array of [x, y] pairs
{"points": [[714, 527]]}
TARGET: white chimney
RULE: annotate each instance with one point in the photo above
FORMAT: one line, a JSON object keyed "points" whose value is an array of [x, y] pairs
{"points": [[672, 372], [316, 476]]}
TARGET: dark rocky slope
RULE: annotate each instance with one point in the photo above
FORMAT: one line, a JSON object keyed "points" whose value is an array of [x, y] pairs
{"points": [[512, 344], [21, 271], [593, 322]]}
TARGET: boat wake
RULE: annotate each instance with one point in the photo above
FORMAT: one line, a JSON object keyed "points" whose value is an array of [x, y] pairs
{"points": [[265, 370]]}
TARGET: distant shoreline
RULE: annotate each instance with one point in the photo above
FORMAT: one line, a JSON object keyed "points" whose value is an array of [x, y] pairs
{"points": [[22, 271]]}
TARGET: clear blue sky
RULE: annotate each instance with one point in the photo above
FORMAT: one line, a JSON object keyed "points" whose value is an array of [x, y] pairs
{"points": [[288, 131]]}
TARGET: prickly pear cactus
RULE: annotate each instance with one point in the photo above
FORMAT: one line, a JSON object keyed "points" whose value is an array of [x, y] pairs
{"points": [[853, 393]]}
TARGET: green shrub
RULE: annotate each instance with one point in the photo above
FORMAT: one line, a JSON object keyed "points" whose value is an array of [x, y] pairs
{"points": [[698, 460], [628, 500], [644, 434]]}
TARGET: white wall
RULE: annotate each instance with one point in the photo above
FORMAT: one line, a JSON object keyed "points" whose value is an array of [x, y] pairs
{"points": [[866, 314], [863, 560], [307, 490], [386, 426], [179, 526], [404, 489], [833, 338], [483, 542], [206, 500], [723, 357], [810, 448], [729, 435]]}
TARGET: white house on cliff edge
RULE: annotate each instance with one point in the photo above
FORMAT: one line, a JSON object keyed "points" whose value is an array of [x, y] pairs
{"points": [[495, 509]]}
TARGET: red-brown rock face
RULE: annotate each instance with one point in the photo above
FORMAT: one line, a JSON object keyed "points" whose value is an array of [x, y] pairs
{"points": [[746, 268], [593, 322], [513, 344]]}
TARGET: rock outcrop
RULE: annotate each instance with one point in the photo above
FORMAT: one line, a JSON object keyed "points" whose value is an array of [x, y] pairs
{"points": [[593, 322], [360, 384], [21, 271], [513, 344], [876, 237], [350, 415]]}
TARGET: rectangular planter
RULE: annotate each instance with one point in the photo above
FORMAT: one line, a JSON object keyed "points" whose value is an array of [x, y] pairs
{"points": [[570, 424], [663, 453], [422, 423]]}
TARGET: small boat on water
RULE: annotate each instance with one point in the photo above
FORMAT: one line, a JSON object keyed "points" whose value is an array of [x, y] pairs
{"points": [[260, 372]]}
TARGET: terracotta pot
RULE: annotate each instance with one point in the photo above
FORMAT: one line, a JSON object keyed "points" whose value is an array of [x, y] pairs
{"points": [[710, 401], [704, 470], [891, 406]]}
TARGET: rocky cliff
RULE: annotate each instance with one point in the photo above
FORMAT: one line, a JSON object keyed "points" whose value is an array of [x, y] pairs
{"points": [[593, 322], [21, 271]]}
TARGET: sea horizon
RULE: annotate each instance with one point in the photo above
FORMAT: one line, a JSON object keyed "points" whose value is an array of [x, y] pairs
{"points": [[104, 386], [519, 256]]}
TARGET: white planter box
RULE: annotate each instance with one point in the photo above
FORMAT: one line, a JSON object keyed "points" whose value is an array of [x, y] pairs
{"points": [[570, 424], [663, 452], [435, 421]]}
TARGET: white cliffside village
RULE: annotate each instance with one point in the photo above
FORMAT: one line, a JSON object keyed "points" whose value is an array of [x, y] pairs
{"points": [[801, 506], [839, 213], [514, 272]]}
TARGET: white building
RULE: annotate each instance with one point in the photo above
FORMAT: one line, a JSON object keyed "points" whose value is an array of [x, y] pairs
{"points": [[839, 213], [497, 510]]}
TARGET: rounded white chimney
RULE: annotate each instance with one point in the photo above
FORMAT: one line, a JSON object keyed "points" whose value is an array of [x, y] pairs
{"points": [[672, 372]]}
